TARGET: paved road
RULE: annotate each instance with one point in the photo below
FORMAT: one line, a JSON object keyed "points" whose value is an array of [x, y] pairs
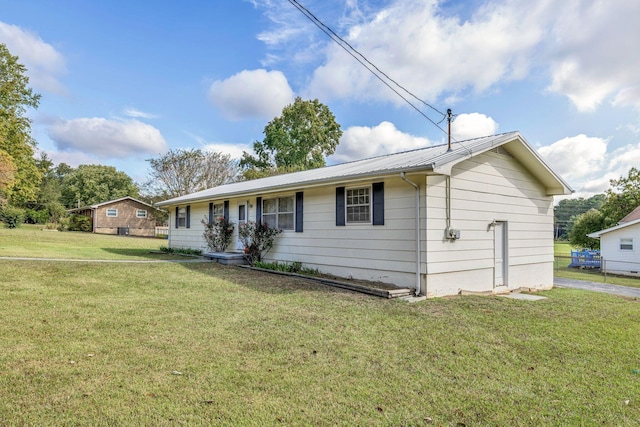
{"points": [[597, 287]]}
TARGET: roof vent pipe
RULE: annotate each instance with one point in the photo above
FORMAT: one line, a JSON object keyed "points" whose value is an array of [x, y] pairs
{"points": [[417, 188]]}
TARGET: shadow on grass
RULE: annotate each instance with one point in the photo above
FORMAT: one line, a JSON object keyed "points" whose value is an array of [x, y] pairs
{"points": [[264, 282], [146, 254]]}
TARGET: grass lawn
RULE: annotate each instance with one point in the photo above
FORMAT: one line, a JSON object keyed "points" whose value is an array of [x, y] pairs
{"points": [[204, 344], [32, 241], [563, 254]]}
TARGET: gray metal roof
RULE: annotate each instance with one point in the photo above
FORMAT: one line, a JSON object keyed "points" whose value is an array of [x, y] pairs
{"points": [[427, 159]]}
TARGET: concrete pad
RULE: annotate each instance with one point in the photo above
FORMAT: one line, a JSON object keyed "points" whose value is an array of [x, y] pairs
{"points": [[525, 297]]}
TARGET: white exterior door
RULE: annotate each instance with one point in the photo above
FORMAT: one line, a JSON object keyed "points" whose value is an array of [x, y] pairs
{"points": [[242, 218], [501, 261]]}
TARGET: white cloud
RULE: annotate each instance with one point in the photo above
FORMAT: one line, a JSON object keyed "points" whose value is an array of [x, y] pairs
{"points": [[628, 96], [234, 150], [593, 46], [108, 139], [623, 159], [252, 93], [360, 142], [432, 54], [74, 159], [44, 63], [587, 48], [473, 125], [577, 157], [138, 114]]}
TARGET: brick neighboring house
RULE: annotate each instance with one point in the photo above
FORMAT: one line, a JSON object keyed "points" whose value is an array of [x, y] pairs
{"points": [[126, 216]]}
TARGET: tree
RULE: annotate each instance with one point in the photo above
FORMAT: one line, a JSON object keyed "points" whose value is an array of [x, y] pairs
{"points": [[181, 172], [299, 139], [91, 184], [15, 128], [567, 210], [588, 222], [47, 204], [622, 198]]}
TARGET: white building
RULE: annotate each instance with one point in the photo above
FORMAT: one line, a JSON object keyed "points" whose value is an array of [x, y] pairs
{"points": [[475, 217], [619, 246]]}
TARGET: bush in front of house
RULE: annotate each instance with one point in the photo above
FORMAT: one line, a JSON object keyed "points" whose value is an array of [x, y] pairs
{"points": [[257, 239], [181, 251], [218, 234], [287, 267], [79, 223], [12, 217]]}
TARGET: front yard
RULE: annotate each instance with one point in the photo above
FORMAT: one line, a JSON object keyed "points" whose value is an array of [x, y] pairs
{"points": [[203, 344]]}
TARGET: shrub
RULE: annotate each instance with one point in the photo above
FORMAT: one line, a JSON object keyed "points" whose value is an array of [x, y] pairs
{"points": [[218, 234], [287, 267], [80, 223], [257, 239], [12, 217], [181, 251], [36, 217], [63, 224]]}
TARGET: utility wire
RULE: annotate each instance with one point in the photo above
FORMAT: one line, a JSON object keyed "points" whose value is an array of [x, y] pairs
{"points": [[367, 64]]}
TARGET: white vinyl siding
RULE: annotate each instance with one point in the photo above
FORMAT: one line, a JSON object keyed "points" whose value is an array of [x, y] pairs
{"points": [[112, 213], [488, 187]]}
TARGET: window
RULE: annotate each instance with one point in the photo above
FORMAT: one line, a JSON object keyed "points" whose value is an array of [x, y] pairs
{"points": [[181, 221], [278, 212], [358, 205], [141, 213], [112, 212], [626, 244], [242, 213], [218, 211]]}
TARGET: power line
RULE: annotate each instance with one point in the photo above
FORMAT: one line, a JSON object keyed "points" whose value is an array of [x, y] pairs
{"points": [[368, 64]]}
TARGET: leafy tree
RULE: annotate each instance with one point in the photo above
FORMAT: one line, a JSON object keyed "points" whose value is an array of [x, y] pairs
{"points": [[91, 184], [299, 139], [181, 172], [47, 203], [15, 128], [588, 222], [7, 171], [567, 210], [622, 198]]}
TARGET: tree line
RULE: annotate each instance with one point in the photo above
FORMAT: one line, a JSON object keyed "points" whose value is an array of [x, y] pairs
{"points": [[34, 189]]}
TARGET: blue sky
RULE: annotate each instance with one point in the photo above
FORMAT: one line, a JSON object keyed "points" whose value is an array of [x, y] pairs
{"points": [[125, 81]]}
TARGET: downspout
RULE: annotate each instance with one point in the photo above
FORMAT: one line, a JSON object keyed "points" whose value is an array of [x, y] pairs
{"points": [[404, 178]]}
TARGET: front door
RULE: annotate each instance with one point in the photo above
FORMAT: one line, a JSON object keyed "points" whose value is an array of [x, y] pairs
{"points": [[242, 218], [501, 261]]}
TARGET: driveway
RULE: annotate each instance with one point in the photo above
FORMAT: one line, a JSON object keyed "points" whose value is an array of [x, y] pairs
{"points": [[597, 287]]}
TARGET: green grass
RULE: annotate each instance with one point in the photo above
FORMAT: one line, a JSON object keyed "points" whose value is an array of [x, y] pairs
{"points": [[32, 241], [563, 252], [204, 344]]}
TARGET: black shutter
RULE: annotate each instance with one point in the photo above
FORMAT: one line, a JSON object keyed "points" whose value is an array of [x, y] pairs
{"points": [[340, 217], [258, 210], [211, 213], [188, 216], [299, 209], [378, 203], [226, 211], [177, 213]]}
